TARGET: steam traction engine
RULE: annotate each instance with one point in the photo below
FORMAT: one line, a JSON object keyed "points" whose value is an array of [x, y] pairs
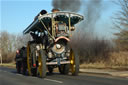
{"points": [[49, 48]]}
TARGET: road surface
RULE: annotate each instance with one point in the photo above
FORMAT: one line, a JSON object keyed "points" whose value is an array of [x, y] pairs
{"points": [[9, 76]]}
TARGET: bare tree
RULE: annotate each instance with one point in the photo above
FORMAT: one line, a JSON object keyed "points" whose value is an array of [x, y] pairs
{"points": [[121, 23], [9, 43], [4, 41], [121, 17], [21, 40]]}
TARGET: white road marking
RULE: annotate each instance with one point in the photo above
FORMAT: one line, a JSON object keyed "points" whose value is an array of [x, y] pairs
{"points": [[57, 81], [19, 74], [53, 80], [4, 71], [9, 72]]}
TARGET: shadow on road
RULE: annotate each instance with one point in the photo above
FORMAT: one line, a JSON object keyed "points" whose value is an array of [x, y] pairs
{"points": [[14, 71]]}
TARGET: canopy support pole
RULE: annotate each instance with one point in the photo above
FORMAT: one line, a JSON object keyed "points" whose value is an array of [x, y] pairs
{"points": [[47, 29], [69, 22]]}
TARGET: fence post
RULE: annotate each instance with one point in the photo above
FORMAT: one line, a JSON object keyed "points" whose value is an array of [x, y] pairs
{"points": [[1, 58]]}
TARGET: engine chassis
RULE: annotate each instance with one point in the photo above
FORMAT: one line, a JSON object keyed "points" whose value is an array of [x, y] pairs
{"points": [[50, 45]]}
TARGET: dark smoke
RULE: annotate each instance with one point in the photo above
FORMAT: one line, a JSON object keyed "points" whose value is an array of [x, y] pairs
{"points": [[92, 11], [67, 5], [84, 40]]}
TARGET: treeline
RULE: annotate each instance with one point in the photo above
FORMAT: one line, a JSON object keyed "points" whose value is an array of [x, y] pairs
{"points": [[9, 43], [89, 48], [92, 49]]}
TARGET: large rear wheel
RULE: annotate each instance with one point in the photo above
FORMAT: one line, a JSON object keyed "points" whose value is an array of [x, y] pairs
{"points": [[74, 63]]}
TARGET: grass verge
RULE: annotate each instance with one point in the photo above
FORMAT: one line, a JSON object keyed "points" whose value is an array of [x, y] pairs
{"points": [[102, 66], [11, 65]]}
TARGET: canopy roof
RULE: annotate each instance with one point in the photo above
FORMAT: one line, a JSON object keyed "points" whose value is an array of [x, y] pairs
{"points": [[58, 16]]}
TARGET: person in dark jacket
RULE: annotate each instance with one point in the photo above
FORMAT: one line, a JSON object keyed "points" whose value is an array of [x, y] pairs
{"points": [[18, 60]]}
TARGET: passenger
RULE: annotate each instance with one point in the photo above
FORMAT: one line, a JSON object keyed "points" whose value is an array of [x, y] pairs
{"points": [[17, 55], [41, 13], [18, 61]]}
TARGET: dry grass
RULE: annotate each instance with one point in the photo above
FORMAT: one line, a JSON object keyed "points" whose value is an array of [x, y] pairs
{"points": [[8, 57], [119, 58], [93, 65], [102, 66], [12, 65]]}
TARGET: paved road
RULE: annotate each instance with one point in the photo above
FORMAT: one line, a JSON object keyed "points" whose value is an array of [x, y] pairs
{"points": [[8, 76]]}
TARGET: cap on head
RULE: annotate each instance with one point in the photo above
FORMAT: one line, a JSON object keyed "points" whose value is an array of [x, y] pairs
{"points": [[55, 10]]}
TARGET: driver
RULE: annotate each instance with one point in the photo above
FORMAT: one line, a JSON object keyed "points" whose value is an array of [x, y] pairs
{"points": [[55, 10]]}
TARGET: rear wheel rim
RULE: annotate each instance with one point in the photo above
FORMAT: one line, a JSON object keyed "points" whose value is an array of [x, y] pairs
{"points": [[72, 60]]}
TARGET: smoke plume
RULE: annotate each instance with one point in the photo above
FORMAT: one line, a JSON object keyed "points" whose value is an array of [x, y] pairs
{"points": [[67, 5], [92, 13]]}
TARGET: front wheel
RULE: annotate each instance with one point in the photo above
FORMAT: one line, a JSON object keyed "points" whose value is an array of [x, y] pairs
{"points": [[34, 71], [74, 63], [42, 64], [64, 69], [50, 69]]}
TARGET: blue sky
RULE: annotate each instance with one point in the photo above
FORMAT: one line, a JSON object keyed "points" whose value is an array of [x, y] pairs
{"points": [[16, 15]]}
